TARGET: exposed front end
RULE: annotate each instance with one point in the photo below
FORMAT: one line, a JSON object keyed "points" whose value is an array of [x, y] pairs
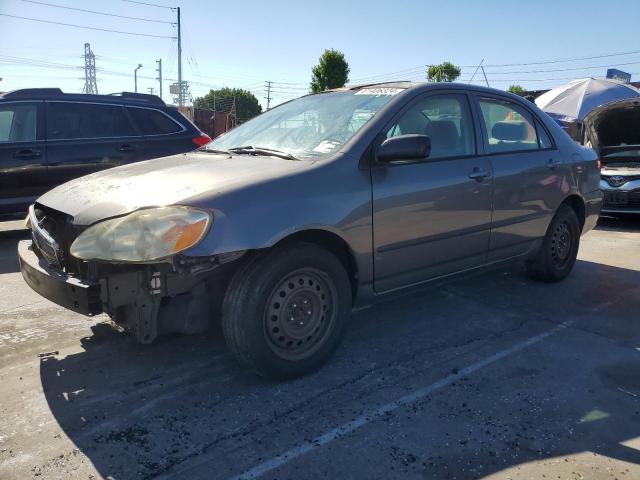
{"points": [[173, 294], [621, 191], [613, 130]]}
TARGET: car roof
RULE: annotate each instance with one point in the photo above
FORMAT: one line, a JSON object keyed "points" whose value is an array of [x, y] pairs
{"points": [[427, 86], [57, 94]]}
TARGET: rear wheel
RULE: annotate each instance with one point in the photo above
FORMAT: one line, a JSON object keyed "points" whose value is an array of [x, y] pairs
{"points": [[559, 250], [285, 312]]}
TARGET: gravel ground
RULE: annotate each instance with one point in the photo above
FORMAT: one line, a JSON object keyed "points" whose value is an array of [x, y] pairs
{"points": [[492, 376]]}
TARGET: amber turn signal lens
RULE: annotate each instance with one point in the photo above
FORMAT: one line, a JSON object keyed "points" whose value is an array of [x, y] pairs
{"points": [[185, 236]]}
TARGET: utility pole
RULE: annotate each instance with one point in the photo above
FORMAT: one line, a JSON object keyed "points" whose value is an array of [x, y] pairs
{"points": [[268, 97], [90, 83], [159, 70], [150, 90], [485, 75], [180, 85], [135, 77], [476, 70]]}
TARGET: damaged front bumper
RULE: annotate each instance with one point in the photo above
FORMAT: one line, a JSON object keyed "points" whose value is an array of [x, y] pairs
{"points": [[147, 300], [81, 296]]}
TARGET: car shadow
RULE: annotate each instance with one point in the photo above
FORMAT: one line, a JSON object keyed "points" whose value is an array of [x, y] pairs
{"points": [[140, 411], [619, 223], [8, 249]]}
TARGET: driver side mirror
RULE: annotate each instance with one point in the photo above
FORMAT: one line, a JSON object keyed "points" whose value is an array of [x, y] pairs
{"points": [[404, 147]]}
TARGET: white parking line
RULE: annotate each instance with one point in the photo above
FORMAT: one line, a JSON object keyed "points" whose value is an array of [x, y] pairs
{"points": [[373, 414]]}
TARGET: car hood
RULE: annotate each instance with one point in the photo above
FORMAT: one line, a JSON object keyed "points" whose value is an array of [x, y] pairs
{"points": [[620, 112], [162, 181]]}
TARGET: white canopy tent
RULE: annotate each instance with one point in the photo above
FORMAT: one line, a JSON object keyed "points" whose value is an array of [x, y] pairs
{"points": [[573, 101]]}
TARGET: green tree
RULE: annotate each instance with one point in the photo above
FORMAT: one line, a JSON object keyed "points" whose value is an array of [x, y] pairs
{"points": [[517, 89], [332, 71], [222, 100], [445, 72]]}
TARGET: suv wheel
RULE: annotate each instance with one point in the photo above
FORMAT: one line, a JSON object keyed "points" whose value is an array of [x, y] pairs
{"points": [[285, 312], [559, 250]]}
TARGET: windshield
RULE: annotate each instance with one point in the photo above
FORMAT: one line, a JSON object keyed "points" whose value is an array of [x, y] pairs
{"points": [[314, 126]]}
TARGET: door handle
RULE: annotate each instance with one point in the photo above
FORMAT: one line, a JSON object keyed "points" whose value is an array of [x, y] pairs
{"points": [[552, 163], [479, 174], [27, 153], [126, 148]]}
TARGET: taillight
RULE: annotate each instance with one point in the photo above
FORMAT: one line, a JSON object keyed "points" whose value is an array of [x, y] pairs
{"points": [[599, 164], [201, 140]]}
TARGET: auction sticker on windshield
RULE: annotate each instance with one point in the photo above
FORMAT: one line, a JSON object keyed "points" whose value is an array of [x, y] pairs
{"points": [[379, 91]]}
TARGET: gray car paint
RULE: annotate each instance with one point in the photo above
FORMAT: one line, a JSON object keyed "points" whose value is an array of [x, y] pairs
{"points": [[257, 201]]}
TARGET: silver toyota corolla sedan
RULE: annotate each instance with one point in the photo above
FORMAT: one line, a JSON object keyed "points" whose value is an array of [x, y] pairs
{"points": [[284, 224]]}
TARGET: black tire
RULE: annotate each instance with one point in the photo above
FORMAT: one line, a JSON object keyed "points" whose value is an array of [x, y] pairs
{"points": [[285, 311], [557, 255]]}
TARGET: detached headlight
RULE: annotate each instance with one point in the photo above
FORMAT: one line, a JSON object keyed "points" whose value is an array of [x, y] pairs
{"points": [[143, 236]]}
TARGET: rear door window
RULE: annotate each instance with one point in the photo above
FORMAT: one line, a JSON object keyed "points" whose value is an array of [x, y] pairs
{"points": [[153, 122], [18, 122], [509, 126], [66, 121]]}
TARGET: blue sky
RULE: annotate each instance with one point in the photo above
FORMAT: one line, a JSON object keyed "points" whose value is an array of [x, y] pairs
{"points": [[242, 43]]}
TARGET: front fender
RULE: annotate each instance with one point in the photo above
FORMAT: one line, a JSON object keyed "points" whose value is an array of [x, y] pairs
{"points": [[334, 197]]}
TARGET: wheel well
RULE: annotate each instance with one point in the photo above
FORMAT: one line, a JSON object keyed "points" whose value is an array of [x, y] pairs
{"points": [[334, 244], [575, 202]]}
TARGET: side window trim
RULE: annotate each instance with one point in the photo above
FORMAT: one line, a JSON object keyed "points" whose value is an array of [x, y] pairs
{"points": [[380, 137], [39, 121], [540, 126], [478, 96], [131, 124], [182, 127]]}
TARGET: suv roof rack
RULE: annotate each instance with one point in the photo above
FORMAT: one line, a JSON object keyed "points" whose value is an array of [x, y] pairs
{"points": [[31, 92], [145, 97]]}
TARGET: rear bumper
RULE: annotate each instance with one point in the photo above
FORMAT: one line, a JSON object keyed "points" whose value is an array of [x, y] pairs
{"points": [[593, 206], [73, 293]]}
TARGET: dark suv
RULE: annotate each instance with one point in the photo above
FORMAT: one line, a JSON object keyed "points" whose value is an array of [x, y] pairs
{"points": [[48, 137]]}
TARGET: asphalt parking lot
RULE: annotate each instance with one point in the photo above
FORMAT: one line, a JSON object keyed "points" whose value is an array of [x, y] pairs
{"points": [[490, 376]]}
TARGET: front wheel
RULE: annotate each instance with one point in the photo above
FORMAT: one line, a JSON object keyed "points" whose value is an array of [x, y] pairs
{"points": [[285, 311], [559, 249]]}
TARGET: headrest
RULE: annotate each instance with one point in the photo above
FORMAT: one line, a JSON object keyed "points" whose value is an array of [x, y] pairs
{"points": [[443, 127], [509, 131]]}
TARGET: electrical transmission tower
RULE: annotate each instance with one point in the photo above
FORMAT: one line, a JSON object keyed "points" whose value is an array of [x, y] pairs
{"points": [[90, 83]]}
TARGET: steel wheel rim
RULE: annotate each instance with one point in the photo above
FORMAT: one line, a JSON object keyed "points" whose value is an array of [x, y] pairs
{"points": [[300, 313], [561, 244]]}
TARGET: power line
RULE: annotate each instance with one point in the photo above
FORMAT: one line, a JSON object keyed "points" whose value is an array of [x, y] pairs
{"points": [[565, 69], [149, 4], [412, 71], [617, 54], [84, 27], [97, 13]]}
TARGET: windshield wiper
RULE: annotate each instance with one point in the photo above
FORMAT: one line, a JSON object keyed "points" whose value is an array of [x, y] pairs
{"points": [[213, 150], [251, 150]]}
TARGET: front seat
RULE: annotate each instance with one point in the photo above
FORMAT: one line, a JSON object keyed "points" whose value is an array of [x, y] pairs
{"points": [[445, 139]]}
